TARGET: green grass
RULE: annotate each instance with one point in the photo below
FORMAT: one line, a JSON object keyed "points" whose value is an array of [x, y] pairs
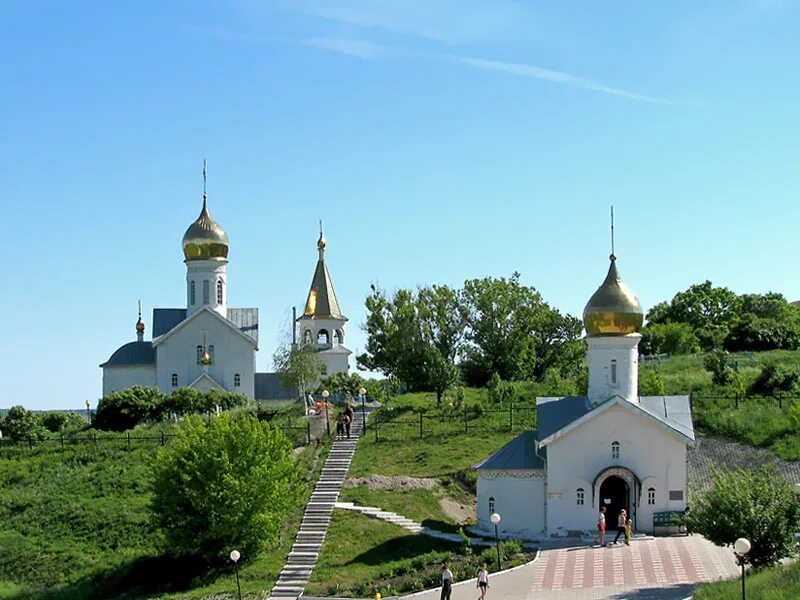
{"points": [[776, 583], [76, 524]]}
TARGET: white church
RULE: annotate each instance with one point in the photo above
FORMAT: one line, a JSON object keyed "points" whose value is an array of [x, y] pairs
{"points": [[611, 449], [210, 345]]}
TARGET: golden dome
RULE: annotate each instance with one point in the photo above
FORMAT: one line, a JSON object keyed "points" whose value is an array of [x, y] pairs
{"points": [[613, 309], [205, 239], [139, 325]]}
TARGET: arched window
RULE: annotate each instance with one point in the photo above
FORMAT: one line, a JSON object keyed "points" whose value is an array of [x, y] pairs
{"points": [[651, 496], [191, 293], [322, 337], [614, 372], [206, 294], [174, 380], [199, 355], [306, 336], [491, 505], [211, 355], [338, 337], [614, 449], [237, 380], [219, 291], [579, 496]]}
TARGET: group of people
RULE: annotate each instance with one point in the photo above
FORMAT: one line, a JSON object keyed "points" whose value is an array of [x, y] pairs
{"points": [[482, 581], [343, 422], [624, 527]]}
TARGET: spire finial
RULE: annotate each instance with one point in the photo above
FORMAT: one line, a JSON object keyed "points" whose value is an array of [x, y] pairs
{"points": [[613, 256], [140, 325], [205, 177], [140, 310], [321, 241]]}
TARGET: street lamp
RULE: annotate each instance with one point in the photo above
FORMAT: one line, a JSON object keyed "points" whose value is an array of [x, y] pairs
{"points": [[88, 412], [235, 556], [325, 394], [363, 393], [495, 519], [742, 547]]}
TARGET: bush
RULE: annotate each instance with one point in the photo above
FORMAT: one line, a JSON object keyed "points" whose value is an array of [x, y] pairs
{"points": [[719, 363], [222, 485], [774, 379], [61, 421], [669, 338], [501, 392], [21, 424], [127, 408], [650, 383], [757, 505]]}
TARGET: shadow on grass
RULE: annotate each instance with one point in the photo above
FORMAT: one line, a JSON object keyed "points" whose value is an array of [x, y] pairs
{"points": [[674, 592], [400, 548], [440, 525], [143, 577]]}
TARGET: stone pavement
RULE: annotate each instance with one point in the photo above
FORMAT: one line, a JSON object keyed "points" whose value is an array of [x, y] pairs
{"points": [[653, 569]]}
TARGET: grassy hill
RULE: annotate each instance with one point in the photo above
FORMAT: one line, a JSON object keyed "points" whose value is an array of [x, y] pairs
{"points": [[776, 583]]}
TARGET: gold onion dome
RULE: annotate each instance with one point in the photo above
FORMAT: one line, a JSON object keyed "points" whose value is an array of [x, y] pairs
{"points": [[205, 239], [140, 325], [613, 309]]}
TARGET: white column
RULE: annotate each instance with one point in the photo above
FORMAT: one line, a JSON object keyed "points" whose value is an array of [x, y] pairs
{"points": [[613, 367], [204, 280]]}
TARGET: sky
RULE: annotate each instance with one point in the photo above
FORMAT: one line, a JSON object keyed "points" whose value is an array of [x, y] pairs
{"points": [[438, 140]]}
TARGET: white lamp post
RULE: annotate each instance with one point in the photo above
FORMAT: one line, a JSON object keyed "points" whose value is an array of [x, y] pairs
{"points": [[362, 391], [742, 547], [235, 556], [325, 394], [88, 412], [495, 519]]}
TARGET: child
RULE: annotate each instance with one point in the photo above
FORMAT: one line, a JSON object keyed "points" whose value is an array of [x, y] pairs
{"points": [[628, 528], [340, 426], [483, 581]]}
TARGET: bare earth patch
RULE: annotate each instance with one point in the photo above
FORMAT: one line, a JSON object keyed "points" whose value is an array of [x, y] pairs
{"points": [[397, 483], [460, 513]]}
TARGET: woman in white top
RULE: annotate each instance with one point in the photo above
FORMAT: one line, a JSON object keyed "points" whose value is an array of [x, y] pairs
{"points": [[483, 581], [447, 582]]}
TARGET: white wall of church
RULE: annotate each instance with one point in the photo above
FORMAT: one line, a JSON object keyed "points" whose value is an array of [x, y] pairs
{"points": [[232, 354], [613, 367], [335, 362], [117, 378], [202, 279], [656, 456], [519, 499]]}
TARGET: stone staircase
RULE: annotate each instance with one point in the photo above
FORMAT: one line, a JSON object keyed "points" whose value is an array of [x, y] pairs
{"points": [[305, 552]]}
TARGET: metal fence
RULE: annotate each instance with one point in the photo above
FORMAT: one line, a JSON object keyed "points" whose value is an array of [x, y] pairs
{"points": [[399, 425], [781, 400]]}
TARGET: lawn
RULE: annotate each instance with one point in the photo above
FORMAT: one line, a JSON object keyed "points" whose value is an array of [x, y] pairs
{"points": [[76, 524], [776, 583]]}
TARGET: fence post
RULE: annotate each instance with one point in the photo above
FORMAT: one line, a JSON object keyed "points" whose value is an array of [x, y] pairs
{"points": [[780, 400], [377, 418], [30, 442], [466, 422], [129, 440], [162, 438], [420, 425], [308, 432], [511, 416]]}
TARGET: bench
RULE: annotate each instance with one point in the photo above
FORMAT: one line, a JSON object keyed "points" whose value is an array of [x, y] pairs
{"points": [[668, 522]]}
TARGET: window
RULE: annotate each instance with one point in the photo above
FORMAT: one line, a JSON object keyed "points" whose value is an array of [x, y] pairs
{"points": [[199, 355], [614, 449], [491, 505], [307, 336], [651, 496], [174, 380], [579, 495], [322, 337], [676, 495], [338, 337], [191, 293], [614, 372], [205, 291], [211, 355], [219, 291], [237, 380]]}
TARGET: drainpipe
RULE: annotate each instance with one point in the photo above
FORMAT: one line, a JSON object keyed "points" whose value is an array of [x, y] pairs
{"points": [[544, 460]]}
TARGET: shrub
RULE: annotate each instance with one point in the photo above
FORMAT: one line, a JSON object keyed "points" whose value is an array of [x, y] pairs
{"points": [[774, 379], [22, 424], [669, 338], [650, 383], [225, 484], [719, 363], [61, 421], [127, 408], [754, 504], [501, 392]]}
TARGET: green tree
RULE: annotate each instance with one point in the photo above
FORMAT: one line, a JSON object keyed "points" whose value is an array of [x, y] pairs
{"points": [[719, 363], [650, 383], [766, 322], [299, 367], [775, 379], [61, 421], [758, 505], [225, 484], [669, 338], [21, 424], [127, 408], [183, 401]]}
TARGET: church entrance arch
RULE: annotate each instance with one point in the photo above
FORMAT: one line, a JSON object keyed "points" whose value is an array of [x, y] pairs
{"points": [[617, 488]]}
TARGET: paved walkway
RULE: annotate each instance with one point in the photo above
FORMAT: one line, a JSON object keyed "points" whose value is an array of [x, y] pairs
{"points": [[654, 569]]}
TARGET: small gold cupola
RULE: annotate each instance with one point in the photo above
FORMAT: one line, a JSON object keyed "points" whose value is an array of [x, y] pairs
{"points": [[205, 239], [613, 309]]}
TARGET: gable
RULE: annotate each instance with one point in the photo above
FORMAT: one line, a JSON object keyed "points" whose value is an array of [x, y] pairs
{"points": [[201, 314]]}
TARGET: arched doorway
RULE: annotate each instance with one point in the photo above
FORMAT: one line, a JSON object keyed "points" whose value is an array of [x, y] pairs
{"points": [[614, 495]]}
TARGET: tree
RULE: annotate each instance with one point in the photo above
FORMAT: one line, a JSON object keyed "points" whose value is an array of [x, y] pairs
{"points": [[61, 421], [650, 383], [225, 484], [127, 408], [775, 379], [766, 322], [669, 338], [21, 424], [298, 367], [758, 505], [719, 363]]}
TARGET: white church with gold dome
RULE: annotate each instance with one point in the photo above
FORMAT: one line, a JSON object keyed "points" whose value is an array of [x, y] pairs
{"points": [[611, 448], [210, 345]]}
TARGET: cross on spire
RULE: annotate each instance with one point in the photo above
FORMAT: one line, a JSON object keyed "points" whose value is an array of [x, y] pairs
{"points": [[613, 256]]}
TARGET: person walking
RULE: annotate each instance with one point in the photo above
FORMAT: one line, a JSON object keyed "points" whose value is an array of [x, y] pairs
{"points": [[601, 526], [623, 516], [447, 582], [348, 412], [628, 530], [483, 581], [340, 426]]}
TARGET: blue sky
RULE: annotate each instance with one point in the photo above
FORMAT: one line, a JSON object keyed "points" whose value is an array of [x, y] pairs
{"points": [[438, 140]]}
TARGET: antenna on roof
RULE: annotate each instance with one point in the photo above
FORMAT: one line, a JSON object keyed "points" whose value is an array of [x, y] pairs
{"points": [[613, 256]]}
